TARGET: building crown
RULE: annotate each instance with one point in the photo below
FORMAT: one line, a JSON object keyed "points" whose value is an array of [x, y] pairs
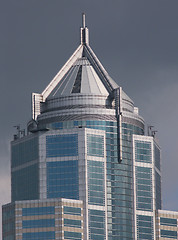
{"points": [[83, 73]]}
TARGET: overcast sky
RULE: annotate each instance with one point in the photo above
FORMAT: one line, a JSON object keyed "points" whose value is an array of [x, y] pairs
{"points": [[136, 41]]}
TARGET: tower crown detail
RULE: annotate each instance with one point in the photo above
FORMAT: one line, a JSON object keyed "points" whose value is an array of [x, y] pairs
{"points": [[83, 73], [84, 32]]}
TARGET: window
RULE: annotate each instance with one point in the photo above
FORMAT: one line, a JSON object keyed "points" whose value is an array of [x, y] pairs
{"points": [[158, 190], [144, 189], [39, 223], [72, 235], [169, 234], [38, 235], [24, 152], [96, 190], [95, 145], [25, 183], [72, 210], [62, 179], [168, 221], [157, 157], [144, 227], [72, 223], [96, 224], [62, 145], [143, 151], [38, 211]]}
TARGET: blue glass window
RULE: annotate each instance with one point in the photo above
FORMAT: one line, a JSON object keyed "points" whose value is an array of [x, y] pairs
{"points": [[168, 221], [169, 234], [38, 235], [8, 213], [72, 210], [8, 226], [144, 189], [72, 223], [96, 190], [145, 227], [95, 145], [38, 211], [25, 183], [116, 187], [57, 125], [143, 151], [158, 190], [157, 157], [62, 179], [24, 152], [62, 145], [96, 224], [39, 223], [72, 235]]}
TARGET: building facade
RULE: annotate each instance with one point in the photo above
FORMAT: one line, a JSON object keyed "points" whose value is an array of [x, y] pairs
{"points": [[43, 219], [86, 149], [166, 225]]}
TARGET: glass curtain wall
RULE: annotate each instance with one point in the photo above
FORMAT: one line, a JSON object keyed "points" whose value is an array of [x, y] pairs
{"points": [[119, 175]]}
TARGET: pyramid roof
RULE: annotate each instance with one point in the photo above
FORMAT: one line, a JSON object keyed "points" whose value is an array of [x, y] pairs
{"points": [[82, 73]]}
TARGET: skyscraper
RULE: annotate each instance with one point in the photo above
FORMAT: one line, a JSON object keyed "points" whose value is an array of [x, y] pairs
{"points": [[86, 169]]}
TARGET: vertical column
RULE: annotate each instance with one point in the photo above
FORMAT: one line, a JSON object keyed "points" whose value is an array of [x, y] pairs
{"points": [[92, 183], [144, 187]]}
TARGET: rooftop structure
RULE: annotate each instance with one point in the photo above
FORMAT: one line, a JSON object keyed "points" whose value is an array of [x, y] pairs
{"points": [[86, 144]]}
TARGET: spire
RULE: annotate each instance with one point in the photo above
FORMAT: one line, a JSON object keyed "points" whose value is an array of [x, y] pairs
{"points": [[83, 20], [84, 32]]}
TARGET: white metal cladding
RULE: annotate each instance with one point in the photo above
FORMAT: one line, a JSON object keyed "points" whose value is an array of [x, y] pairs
{"points": [[89, 81], [83, 176], [64, 88], [85, 87], [151, 165], [82, 104], [76, 111], [74, 100], [36, 99], [77, 54], [85, 98]]}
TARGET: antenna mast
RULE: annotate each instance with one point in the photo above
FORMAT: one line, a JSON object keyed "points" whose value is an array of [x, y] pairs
{"points": [[84, 31], [83, 20]]}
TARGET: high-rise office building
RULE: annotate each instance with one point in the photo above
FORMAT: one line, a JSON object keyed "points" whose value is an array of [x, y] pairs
{"points": [[86, 169]]}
